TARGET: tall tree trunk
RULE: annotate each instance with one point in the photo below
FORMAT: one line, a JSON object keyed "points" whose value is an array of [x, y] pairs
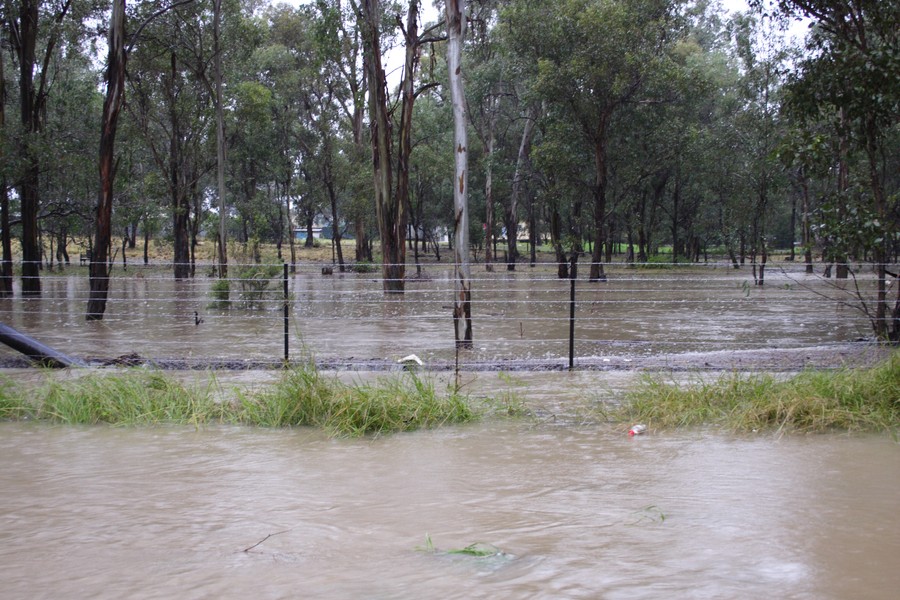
{"points": [[804, 224], [489, 195], [389, 209], [6, 271], [512, 211], [843, 268], [600, 185], [562, 267], [286, 190], [29, 100], [462, 308], [146, 240], [222, 244], [181, 207], [115, 94], [883, 328], [335, 220]]}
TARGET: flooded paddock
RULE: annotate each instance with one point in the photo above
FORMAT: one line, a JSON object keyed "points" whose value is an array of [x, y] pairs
{"points": [[573, 512], [520, 317], [570, 507]]}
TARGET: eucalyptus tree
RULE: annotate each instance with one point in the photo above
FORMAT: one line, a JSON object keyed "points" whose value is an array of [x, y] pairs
{"points": [[69, 179], [339, 36], [462, 307], [115, 92], [251, 131], [763, 69], [6, 270], [594, 57], [390, 166], [851, 83], [563, 183], [431, 173], [172, 104], [37, 33], [488, 85]]}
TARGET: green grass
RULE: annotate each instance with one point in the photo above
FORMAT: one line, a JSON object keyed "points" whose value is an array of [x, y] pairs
{"points": [[12, 403], [133, 398], [813, 401], [303, 397], [398, 403]]}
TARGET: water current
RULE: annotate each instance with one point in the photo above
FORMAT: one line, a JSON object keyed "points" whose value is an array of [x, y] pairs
{"points": [[569, 511]]}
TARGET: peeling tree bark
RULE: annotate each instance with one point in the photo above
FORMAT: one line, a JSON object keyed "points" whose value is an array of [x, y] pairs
{"points": [[389, 209], [462, 308]]}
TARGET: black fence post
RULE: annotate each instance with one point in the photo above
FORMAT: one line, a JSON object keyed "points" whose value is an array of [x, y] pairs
{"points": [[573, 274], [286, 329]]}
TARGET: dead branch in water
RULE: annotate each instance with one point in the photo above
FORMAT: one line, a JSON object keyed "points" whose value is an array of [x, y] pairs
{"points": [[264, 539]]}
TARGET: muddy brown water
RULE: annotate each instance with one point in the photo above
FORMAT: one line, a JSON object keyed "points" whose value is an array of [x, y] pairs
{"points": [[574, 509], [573, 512], [520, 317]]}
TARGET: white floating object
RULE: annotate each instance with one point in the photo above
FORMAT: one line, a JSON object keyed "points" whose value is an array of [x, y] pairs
{"points": [[637, 430], [411, 358]]}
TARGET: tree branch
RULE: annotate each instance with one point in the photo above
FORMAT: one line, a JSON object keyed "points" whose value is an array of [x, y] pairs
{"points": [[137, 34]]}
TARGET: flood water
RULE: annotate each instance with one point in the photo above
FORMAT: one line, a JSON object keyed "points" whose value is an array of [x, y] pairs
{"points": [[574, 509], [519, 316], [573, 512]]}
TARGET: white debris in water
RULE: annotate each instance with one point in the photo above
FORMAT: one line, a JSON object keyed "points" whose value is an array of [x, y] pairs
{"points": [[411, 358]]}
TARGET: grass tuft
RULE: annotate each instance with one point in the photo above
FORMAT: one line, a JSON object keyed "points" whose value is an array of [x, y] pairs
{"points": [[134, 398], [813, 401], [305, 397], [12, 404], [302, 397]]}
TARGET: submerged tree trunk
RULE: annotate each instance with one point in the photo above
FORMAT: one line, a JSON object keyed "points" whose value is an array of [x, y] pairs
{"points": [[115, 94], [512, 211], [29, 101], [462, 308], [601, 179], [6, 271], [221, 245], [389, 208], [489, 195]]}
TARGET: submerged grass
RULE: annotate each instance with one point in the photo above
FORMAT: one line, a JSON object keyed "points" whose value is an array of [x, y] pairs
{"points": [[813, 401], [303, 396]]}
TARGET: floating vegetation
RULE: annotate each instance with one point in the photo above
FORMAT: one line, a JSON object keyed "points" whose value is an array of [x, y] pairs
{"points": [[477, 550], [649, 515], [812, 401]]}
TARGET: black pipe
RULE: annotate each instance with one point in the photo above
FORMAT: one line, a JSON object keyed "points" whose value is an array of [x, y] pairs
{"points": [[36, 351]]}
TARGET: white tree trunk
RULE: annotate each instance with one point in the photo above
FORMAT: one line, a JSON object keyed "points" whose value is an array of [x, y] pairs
{"points": [[462, 307]]}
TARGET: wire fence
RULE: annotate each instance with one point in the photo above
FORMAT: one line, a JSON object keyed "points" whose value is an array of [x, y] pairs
{"points": [[642, 315]]}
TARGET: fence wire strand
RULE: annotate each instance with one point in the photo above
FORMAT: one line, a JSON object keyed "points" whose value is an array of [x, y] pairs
{"points": [[520, 318]]}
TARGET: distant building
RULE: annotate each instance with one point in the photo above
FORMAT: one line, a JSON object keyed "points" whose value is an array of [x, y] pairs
{"points": [[300, 233]]}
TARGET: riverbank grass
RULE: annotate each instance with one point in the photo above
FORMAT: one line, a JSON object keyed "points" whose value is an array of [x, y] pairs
{"points": [[132, 398], [812, 401], [302, 397], [397, 403]]}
